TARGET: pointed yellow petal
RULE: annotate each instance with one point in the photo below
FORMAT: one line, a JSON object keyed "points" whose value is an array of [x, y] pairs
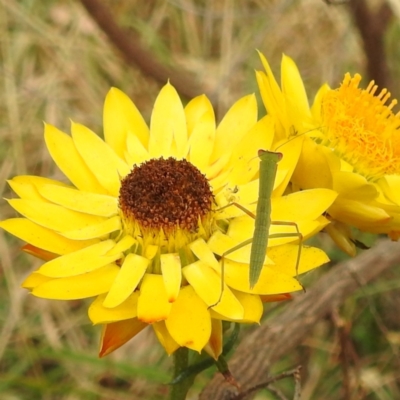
{"points": [[81, 261], [120, 116], [168, 125], [291, 150], [85, 202], [245, 158], [220, 243], [240, 118], [270, 281], [118, 333], [294, 92], [356, 213], [195, 111], [304, 205], [105, 165], [96, 230], [203, 252], [135, 152], [353, 186], [78, 287], [99, 314], [189, 321], [252, 306], [207, 284], [153, 302], [172, 274], [34, 279], [25, 186], [41, 237], [284, 258], [52, 216], [165, 338], [201, 141], [127, 280], [341, 235], [214, 345], [64, 153]]}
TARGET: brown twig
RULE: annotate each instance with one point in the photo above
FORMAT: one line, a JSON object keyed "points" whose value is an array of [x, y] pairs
{"points": [[138, 56], [293, 372], [372, 27], [269, 343]]}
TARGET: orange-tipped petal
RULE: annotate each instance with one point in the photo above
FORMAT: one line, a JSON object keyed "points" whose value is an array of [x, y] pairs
{"points": [[118, 333]]}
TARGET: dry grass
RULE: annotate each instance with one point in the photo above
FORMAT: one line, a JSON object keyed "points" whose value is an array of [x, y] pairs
{"points": [[55, 64]]}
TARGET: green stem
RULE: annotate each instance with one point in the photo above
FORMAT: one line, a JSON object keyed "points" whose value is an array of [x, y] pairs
{"points": [[181, 362]]}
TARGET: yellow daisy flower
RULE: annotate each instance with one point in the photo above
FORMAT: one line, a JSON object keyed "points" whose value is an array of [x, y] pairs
{"points": [[141, 226], [355, 149]]}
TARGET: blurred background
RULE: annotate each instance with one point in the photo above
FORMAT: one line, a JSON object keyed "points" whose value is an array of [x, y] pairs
{"points": [[59, 58]]}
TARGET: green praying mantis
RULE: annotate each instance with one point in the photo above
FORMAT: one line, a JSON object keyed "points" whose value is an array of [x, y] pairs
{"points": [[259, 242]]}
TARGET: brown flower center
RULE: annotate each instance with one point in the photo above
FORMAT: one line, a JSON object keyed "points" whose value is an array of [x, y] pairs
{"points": [[166, 194]]}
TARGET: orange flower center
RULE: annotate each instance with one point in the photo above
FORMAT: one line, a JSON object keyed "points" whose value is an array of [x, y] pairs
{"points": [[362, 129]]}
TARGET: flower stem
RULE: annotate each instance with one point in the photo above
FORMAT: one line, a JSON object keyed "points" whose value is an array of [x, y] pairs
{"points": [[181, 361]]}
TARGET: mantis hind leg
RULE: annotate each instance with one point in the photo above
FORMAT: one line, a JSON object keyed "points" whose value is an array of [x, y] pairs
{"points": [[295, 234]]}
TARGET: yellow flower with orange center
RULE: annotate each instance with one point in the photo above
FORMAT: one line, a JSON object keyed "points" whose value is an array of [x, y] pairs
{"points": [[142, 226], [351, 146]]}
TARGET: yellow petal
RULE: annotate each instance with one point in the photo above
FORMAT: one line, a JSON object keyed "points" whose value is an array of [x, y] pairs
{"points": [[105, 165], [252, 306], [220, 243], [99, 314], [78, 287], [214, 345], [118, 333], [165, 338], [127, 280], [284, 258], [304, 205], [120, 116], [290, 150], [201, 141], [270, 281], [124, 244], [353, 186], [43, 238], [203, 252], [189, 321], [96, 230], [195, 111], [25, 186], [153, 302], [294, 92], [313, 169], [85, 202], [354, 212], [135, 152], [245, 158], [240, 118], [81, 261], [172, 274], [52, 216], [207, 284], [341, 235], [168, 125], [34, 279], [64, 153]]}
